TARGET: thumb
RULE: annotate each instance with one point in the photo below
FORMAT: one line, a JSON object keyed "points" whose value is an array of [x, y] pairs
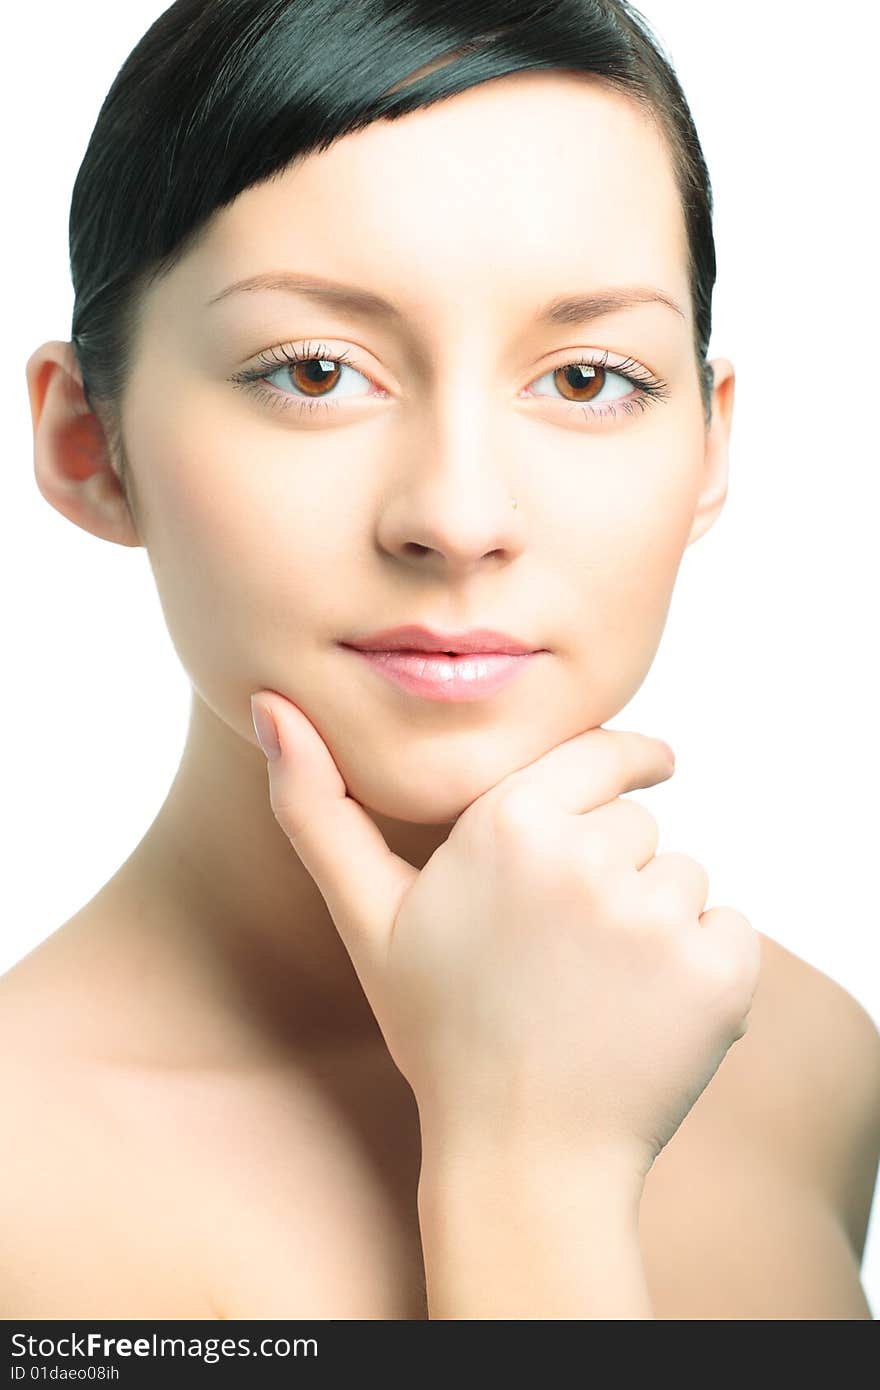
{"points": [[360, 879]]}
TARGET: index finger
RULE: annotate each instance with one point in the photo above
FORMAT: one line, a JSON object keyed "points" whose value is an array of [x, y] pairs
{"points": [[596, 766]]}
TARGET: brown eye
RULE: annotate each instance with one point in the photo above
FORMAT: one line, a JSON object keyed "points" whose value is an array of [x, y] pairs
{"points": [[579, 381], [313, 373]]}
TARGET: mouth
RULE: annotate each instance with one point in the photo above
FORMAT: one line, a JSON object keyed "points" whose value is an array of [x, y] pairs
{"points": [[420, 640], [446, 666], [443, 676]]}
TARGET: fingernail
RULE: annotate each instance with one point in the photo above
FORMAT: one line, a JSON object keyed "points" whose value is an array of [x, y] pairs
{"points": [[265, 730]]}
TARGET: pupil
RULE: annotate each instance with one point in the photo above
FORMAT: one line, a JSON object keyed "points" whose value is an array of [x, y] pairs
{"points": [[317, 370]]}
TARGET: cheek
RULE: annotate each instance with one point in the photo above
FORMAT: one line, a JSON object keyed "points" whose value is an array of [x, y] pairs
{"points": [[238, 557], [622, 562]]}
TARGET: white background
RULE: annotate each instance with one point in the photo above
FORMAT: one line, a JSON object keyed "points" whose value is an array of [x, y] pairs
{"points": [[765, 682]]}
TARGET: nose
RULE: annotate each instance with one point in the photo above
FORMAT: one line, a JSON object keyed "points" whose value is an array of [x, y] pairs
{"points": [[452, 508]]}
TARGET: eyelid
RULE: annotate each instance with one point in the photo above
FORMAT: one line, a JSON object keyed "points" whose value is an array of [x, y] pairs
{"points": [[319, 349], [300, 350], [602, 357], [646, 386]]}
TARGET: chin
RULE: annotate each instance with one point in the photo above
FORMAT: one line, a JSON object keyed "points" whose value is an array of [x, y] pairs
{"points": [[419, 803]]}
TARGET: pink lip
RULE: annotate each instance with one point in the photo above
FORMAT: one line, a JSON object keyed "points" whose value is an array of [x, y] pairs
{"points": [[416, 638], [447, 678]]}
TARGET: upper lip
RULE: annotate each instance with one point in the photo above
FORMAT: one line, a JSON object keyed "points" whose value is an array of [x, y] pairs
{"points": [[423, 639]]}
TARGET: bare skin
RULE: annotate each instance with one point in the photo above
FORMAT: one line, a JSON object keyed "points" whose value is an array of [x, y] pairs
{"points": [[262, 1149], [139, 1186]]}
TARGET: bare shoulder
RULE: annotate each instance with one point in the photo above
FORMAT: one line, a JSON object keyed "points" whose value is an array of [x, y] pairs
{"points": [[759, 1204], [90, 1223], [808, 1070]]}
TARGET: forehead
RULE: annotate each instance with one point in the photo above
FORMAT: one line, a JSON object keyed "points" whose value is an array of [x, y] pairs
{"points": [[503, 193]]}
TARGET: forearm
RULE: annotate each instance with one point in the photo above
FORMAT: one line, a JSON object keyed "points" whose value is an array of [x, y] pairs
{"points": [[510, 1237]]}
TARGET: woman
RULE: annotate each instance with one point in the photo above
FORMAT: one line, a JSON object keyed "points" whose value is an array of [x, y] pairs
{"points": [[363, 340]]}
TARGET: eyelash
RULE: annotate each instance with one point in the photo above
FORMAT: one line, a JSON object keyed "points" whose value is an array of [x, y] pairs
{"points": [[649, 388]]}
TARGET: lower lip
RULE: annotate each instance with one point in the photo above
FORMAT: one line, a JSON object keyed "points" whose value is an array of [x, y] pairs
{"points": [[450, 678]]}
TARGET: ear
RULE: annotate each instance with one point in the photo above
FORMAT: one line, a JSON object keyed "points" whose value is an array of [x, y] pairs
{"points": [[72, 462], [713, 486]]}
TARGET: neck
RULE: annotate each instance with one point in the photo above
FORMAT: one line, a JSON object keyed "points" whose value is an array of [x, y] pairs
{"points": [[229, 908]]}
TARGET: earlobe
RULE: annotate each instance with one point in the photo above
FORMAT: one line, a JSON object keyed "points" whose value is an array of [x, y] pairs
{"points": [[716, 453], [72, 461]]}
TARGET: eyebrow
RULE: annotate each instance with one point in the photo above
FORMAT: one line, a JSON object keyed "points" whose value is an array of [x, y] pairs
{"points": [[570, 308]]}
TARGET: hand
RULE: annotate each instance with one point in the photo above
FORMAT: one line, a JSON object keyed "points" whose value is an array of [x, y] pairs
{"points": [[544, 977]]}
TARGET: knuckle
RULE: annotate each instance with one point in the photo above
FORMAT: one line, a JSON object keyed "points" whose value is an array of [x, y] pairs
{"points": [[631, 820], [594, 855], [514, 814], [723, 978], [750, 938], [290, 821], [666, 910], [281, 809], [681, 865], [640, 815], [720, 969]]}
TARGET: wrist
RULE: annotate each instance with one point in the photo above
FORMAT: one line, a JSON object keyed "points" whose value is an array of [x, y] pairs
{"points": [[530, 1232], [538, 1176]]}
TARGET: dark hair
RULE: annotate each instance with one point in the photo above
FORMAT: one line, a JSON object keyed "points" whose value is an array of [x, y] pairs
{"points": [[219, 95]]}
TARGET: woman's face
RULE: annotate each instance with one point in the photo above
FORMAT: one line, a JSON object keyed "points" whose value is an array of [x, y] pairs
{"points": [[275, 532]]}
